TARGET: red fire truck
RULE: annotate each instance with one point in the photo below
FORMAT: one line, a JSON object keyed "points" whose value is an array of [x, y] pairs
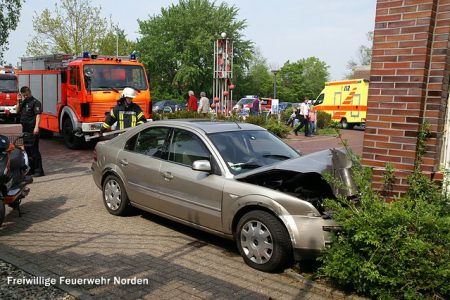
{"points": [[77, 93], [8, 94]]}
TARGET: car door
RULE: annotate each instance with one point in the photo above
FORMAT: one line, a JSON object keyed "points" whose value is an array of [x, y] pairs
{"points": [[140, 162], [190, 195]]}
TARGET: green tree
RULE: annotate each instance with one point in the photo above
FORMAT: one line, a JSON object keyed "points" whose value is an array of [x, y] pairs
{"points": [[73, 27], [255, 79], [115, 41], [304, 78], [9, 17], [177, 45]]}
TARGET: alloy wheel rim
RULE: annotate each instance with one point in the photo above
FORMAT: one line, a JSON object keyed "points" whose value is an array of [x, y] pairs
{"points": [[113, 194], [256, 242]]}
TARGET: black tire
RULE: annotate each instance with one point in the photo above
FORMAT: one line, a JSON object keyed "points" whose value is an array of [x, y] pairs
{"points": [[279, 253], [344, 124], [115, 197], [2, 211], [71, 141]]}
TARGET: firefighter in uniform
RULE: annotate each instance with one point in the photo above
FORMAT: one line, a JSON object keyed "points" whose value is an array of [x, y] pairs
{"points": [[30, 110], [126, 113]]}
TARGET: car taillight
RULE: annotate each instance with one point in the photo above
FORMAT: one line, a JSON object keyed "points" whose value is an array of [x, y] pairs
{"points": [[95, 154]]}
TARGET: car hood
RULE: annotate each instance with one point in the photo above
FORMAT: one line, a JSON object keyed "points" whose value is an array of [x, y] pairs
{"points": [[332, 161]]}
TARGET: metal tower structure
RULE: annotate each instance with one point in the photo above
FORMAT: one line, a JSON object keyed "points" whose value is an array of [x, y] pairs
{"points": [[223, 74]]}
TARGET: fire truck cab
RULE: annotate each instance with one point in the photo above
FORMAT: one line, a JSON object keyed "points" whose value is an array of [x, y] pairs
{"points": [[8, 94], [77, 93]]}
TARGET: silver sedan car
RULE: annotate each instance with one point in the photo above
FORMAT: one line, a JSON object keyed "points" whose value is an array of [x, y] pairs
{"points": [[235, 180]]}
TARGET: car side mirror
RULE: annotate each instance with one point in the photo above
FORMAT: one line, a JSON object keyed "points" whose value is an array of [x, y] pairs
{"points": [[201, 165]]}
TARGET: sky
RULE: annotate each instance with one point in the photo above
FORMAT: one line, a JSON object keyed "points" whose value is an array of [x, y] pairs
{"points": [[283, 30]]}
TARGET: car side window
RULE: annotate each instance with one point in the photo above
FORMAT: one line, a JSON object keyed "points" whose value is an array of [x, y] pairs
{"points": [[150, 141], [186, 148]]}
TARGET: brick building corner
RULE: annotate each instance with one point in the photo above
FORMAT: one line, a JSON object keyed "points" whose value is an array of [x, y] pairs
{"points": [[409, 83]]}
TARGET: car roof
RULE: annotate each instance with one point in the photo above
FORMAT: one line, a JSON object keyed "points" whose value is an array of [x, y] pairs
{"points": [[209, 126]]}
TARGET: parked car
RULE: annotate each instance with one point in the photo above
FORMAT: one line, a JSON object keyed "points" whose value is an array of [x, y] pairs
{"points": [[165, 106], [284, 105], [235, 180]]}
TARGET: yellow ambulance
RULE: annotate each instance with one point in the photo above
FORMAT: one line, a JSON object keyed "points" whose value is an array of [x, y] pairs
{"points": [[345, 101]]}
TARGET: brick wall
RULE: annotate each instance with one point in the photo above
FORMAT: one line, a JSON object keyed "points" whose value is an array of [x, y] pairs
{"points": [[408, 85]]}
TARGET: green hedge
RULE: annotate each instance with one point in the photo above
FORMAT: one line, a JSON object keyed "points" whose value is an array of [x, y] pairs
{"points": [[391, 250]]}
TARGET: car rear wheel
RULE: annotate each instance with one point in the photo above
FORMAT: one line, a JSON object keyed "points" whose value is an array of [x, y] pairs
{"points": [[114, 196], [263, 241]]}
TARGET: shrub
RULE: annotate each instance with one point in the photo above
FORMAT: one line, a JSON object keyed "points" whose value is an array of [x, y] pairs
{"points": [[391, 250], [279, 130], [323, 119]]}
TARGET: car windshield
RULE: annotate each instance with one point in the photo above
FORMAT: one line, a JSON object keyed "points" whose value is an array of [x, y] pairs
{"points": [[244, 101], [114, 77], [246, 150], [8, 85]]}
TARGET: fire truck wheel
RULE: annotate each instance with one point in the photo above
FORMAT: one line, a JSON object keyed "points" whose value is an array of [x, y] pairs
{"points": [[71, 141]]}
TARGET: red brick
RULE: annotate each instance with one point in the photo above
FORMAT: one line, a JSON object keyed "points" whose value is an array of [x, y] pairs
{"points": [[402, 153], [385, 18], [410, 72], [409, 85], [403, 140], [378, 124], [388, 145], [401, 112], [405, 126], [400, 37], [412, 57], [397, 51], [376, 137], [383, 72], [387, 158], [417, 15], [384, 118], [389, 4], [394, 92], [415, 2], [413, 44], [387, 45], [390, 132], [401, 24], [402, 9], [373, 163]]}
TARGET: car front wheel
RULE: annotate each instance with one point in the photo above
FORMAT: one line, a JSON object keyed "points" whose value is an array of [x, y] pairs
{"points": [[263, 242], [114, 196]]}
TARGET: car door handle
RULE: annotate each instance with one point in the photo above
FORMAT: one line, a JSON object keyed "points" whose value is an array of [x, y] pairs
{"points": [[123, 162], [167, 175]]}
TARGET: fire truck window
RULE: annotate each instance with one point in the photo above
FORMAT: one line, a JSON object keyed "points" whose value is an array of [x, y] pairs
{"points": [[77, 71], [73, 76]]}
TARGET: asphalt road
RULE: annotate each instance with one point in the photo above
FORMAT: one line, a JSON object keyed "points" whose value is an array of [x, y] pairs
{"points": [[66, 232]]}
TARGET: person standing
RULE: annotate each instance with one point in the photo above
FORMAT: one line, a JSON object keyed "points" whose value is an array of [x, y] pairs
{"points": [[204, 104], [255, 109], [30, 110], [304, 114], [126, 113], [312, 120], [192, 102]]}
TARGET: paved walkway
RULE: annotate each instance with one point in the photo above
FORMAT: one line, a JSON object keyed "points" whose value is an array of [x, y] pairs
{"points": [[66, 232]]}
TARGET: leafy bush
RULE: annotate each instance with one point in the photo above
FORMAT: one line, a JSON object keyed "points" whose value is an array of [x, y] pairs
{"points": [[323, 119], [391, 250], [179, 114], [279, 130]]}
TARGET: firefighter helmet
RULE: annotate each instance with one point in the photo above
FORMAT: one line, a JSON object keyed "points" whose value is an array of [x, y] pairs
{"points": [[128, 93]]}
